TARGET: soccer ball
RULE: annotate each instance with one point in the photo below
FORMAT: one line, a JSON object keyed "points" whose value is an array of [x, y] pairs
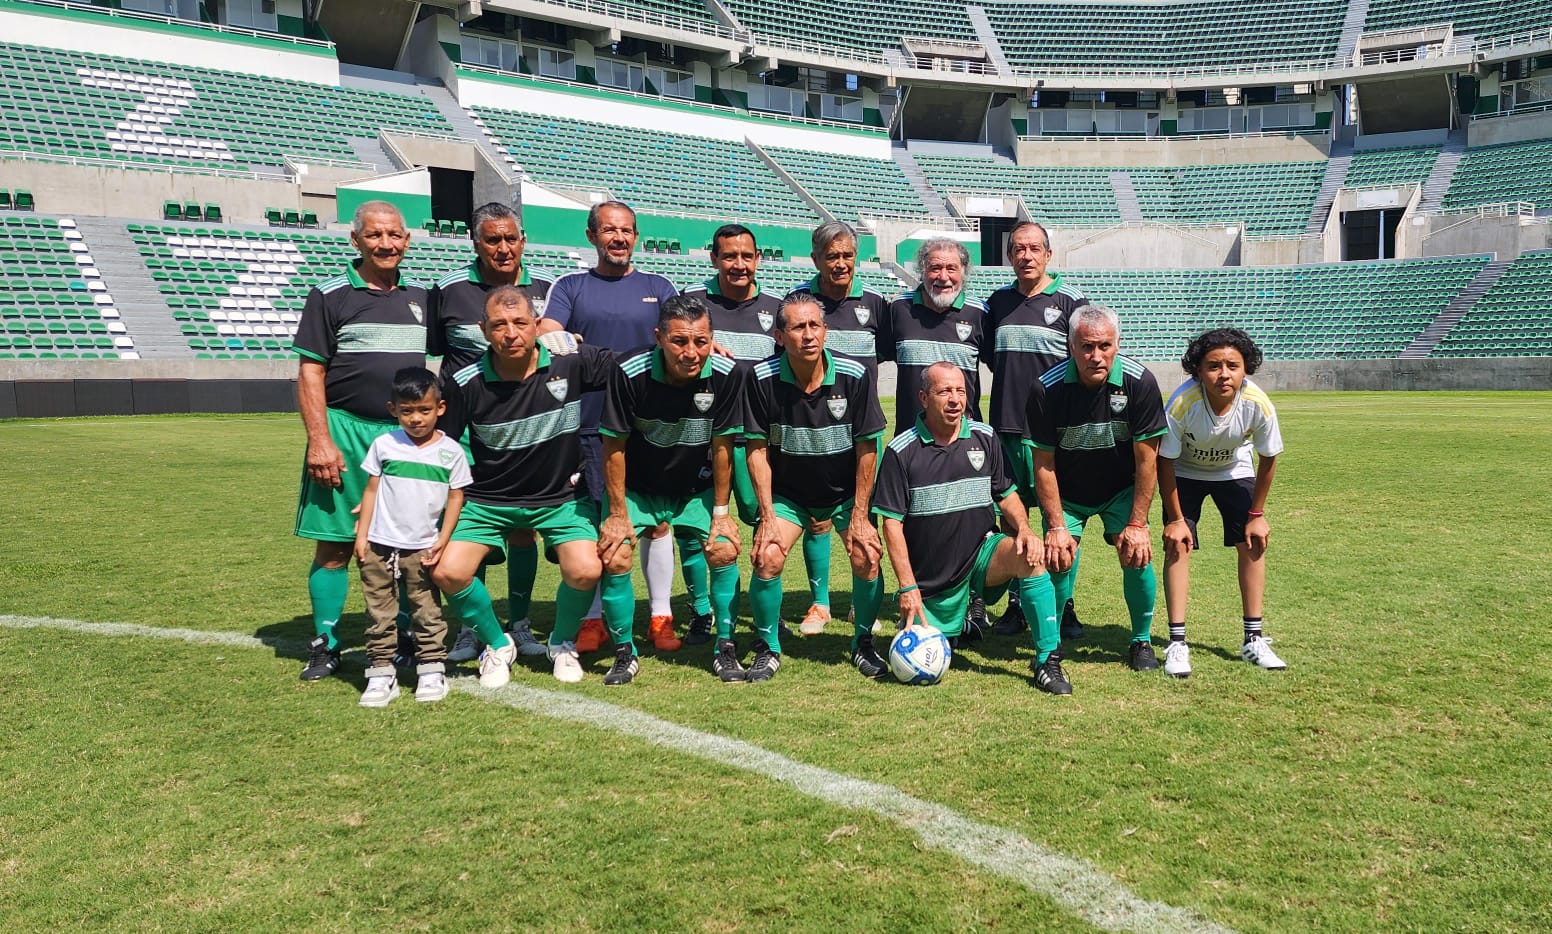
{"points": [[919, 655]]}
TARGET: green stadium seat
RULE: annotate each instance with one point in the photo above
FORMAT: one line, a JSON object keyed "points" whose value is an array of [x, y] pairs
{"points": [[191, 212], [274, 217], [172, 211], [310, 219], [5, 199], [23, 200], [293, 217], [213, 213]]}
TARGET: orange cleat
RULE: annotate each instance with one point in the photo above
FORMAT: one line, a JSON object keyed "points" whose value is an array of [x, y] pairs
{"points": [[592, 636], [814, 623], [663, 637]]}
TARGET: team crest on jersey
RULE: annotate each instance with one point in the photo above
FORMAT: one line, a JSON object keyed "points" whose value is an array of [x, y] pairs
{"points": [[766, 320], [420, 316], [862, 315], [977, 458], [538, 306], [837, 406], [557, 388], [446, 457], [1117, 402], [962, 328], [703, 401], [1052, 313]]}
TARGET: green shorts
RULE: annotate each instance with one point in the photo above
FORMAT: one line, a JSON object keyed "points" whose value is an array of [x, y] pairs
{"points": [[486, 524], [323, 513], [743, 487], [946, 609], [801, 516], [687, 515], [1020, 461], [1114, 513]]}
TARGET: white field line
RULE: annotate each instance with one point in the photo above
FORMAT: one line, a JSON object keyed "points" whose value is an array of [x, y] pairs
{"points": [[1085, 890]]}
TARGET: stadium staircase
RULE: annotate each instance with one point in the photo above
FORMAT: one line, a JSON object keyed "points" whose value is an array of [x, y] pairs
{"points": [[1352, 31], [140, 304], [930, 198], [467, 129], [372, 153], [1336, 176], [1439, 328], [1443, 172], [987, 34], [1126, 198]]}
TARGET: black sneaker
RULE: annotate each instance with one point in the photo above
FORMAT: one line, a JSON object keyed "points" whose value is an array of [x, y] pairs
{"points": [[766, 664], [404, 652], [865, 657], [1071, 628], [625, 666], [322, 661], [1012, 622], [725, 663], [699, 632], [975, 621], [1143, 658], [1049, 677]]}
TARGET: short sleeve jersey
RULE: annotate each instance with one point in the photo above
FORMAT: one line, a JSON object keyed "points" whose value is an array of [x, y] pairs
{"points": [[458, 308], [853, 321], [1028, 336], [1208, 446], [617, 314], [811, 436], [412, 489], [1092, 430], [945, 496], [743, 328], [362, 336], [916, 337], [668, 429], [525, 434]]}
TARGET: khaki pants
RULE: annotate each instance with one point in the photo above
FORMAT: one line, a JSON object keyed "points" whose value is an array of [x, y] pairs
{"points": [[382, 606]]}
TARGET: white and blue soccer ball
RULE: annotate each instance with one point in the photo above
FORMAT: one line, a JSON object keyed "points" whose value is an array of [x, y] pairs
{"points": [[920, 655]]}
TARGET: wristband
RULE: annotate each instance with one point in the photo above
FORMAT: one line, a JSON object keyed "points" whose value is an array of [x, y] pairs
{"points": [[905, 590], [1137, 525], [1256, 514], [1173, 521], [719, 510]]}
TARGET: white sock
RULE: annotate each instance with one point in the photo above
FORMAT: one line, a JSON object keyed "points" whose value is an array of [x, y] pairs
{"points": [[657, 561]]}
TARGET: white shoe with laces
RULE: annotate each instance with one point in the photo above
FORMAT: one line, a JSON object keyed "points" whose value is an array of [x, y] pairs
{"points": [[1177, 660], [380, 691], [430, 688], [496, 666], [1259, 651], [466, 649], [568, 666]]}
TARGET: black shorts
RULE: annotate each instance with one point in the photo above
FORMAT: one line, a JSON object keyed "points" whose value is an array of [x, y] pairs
{"points": [[1232, 497]]}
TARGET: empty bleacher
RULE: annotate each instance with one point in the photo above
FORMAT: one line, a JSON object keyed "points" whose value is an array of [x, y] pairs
{"points": [[849, 186], [867, 25], [1507, 172], [1479, 18], [664, 12], [1514, 318], [53, 302], [1061, 195], [1270, 198], [1398, 166]]}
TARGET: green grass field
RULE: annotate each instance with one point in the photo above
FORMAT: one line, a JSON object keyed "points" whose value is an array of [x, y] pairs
{"points": [[1394, 778]]}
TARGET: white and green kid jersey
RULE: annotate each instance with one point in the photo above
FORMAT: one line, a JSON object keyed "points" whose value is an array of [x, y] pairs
{"points": [[412, 491]]}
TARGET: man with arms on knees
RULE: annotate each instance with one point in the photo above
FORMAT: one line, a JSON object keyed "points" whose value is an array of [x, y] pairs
{"points": [[853, 314], [1026, 323], [940, 490], [813, 425], [357, 331], [522, 409], [614, 305], [457, 335], [668, 427], [1095, 424]]}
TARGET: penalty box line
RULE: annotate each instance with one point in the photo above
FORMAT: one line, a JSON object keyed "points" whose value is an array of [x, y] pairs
{"points": [[1085, 890]]}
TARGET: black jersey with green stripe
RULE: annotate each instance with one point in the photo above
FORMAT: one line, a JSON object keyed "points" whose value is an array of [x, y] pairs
{"points": [[944, 495], [525, 434], [812, 436], [457, 308], [853, 321], [1092, 430], [1028, 336], [669, 428], [362, 336], [742, 328], [915, 337]]}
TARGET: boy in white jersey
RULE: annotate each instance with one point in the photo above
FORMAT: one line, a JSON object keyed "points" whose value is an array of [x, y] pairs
{"points": [[414, 493], [1216, 418]]}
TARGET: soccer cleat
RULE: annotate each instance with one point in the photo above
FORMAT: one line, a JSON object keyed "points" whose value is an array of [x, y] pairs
{"points": [[523, 638], [404, 652], [866, 659], [1049, 676], [466, 649], [592, 636], [1259, 650], [1142, 657], [662, 631], [975, 620], [699, 632], [625, 666], [567, 666], [430, 688], [380, 691], [496, 666], [1071, 628], [322, 661], [1177, 660], [766, 664], [814, 620], [1012, 622], [725, 664]]}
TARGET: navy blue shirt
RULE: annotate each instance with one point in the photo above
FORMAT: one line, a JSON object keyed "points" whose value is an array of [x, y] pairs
{"points": [[617, 314]]}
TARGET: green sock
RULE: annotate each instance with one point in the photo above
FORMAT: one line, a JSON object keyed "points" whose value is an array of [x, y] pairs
{"points": [[765, 597], [1038, 599], [866, 597], [724, 593], [571, 605], [619, 599], [1141, 591], [522, 566], [816, 559], [326, 590], [1062, 583], [472, 605], [692, 562]]}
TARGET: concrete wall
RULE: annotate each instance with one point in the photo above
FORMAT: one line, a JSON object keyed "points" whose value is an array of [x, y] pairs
{"points": [[1145, 247], [1168, 151], [1512, 129], [100, 191], [1273, 252], [1508, 237]]}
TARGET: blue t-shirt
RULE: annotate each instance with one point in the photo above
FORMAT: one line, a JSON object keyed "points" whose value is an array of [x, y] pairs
{"points": [[616, 314]]}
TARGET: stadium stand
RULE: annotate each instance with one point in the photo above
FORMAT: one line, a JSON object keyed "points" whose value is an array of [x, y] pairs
{"points": [[666, 12], [867, 25], [1271, 198], [1514, 318], [1507, 172], [1059, 195], [849, 186], [53, 302], [1480, 18], [1405, 165]]}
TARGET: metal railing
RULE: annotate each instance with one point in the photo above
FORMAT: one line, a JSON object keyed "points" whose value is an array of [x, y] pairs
{"points": [[652, 18], [1131, 138], [1499, 209], [158, 167], [176, 21], [922, 220], [1533, 108]]}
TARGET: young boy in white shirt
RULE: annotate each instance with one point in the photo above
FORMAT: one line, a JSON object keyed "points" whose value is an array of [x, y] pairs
{"points": [[414, 493]]}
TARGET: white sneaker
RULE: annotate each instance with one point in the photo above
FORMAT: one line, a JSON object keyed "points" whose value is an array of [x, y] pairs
{"points": [[1177, 660], [467, 648], [568, 666], [496, 666], [431, 688], [1259, 650], [380, 691], [523, 637]]}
